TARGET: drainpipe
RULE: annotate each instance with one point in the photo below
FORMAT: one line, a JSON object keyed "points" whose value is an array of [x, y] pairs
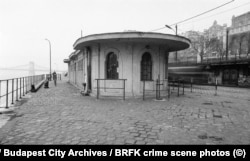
{"points": [[87, 66], [132, 80]]}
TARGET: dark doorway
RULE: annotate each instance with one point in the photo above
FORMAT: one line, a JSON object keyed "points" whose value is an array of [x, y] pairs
{"points": [[89, 68], [230, 77], [146, 67], [111, 66]]}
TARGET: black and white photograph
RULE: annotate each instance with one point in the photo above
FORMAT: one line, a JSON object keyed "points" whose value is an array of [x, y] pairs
{"points": [[125, 72]]}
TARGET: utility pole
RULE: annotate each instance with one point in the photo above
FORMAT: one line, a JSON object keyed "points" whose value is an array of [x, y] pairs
{"points": [[49, 59], [227, 31], [176, 35], [176, 51], [176, 29]]}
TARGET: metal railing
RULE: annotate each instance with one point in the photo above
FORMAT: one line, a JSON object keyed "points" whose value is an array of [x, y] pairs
{"points": [[59, 76], [12, 90], [157, 87], [50, 77], [236, 58], [166, 88], [98, 87], [193, 86], [178, 84]]}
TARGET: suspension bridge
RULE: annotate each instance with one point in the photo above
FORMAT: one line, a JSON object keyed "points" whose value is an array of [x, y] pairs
{"points": [[31, 68]]}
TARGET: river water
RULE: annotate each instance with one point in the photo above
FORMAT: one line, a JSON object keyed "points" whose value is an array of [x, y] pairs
{"points": [[10, 74]]}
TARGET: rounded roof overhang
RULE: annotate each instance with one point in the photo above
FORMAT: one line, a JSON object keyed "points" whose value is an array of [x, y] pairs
{"points": [[172, 42]]}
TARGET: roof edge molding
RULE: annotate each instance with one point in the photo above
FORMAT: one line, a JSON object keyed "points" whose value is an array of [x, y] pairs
{"points": [[173, 42]]}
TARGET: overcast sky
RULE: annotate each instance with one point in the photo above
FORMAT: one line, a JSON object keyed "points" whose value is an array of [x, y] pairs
{"points": [[24, 24]]}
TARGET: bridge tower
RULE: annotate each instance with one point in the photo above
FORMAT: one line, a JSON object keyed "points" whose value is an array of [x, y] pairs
{"points": [[31, 68]]}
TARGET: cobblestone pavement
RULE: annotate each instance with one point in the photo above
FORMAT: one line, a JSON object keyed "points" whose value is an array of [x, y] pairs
{"points": [[60, 115]]}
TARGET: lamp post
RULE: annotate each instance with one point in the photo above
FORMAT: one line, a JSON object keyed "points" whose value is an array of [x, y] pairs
{"points": [[176, 35], [172, 28], [49, 59]]}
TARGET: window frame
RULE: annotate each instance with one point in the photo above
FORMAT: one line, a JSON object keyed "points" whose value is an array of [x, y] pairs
{"points": [[146, 73]]}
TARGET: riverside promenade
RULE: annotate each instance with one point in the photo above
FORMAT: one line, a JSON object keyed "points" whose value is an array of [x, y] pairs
{"points": [[61, 115]]}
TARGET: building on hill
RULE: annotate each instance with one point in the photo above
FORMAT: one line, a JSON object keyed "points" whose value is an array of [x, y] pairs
{"points": [[224, 53]]}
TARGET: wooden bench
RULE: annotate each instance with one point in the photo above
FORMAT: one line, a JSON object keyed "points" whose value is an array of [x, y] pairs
{"points": [[35, 87]]}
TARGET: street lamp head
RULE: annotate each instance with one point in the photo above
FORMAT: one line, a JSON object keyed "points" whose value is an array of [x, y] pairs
{"points": [[168, 27], [47, 40], [172, 28]]}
